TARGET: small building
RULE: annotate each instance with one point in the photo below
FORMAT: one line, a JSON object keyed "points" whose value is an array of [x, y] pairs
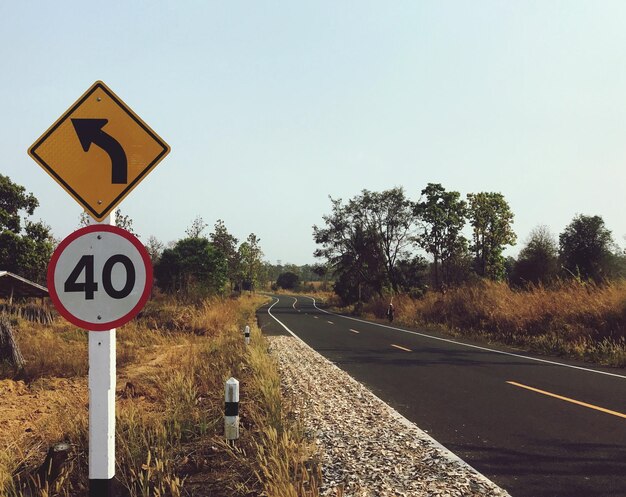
{"points": [[12, 285]]}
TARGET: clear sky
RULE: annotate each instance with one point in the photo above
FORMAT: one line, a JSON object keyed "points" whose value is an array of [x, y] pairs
{"points": [[269, 107]]}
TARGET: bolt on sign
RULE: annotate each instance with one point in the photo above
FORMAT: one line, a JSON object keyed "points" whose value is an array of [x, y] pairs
{"points": [[99, 150]]}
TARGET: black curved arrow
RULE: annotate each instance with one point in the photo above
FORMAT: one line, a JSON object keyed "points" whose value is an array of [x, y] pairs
{"points": [[90, 131]]}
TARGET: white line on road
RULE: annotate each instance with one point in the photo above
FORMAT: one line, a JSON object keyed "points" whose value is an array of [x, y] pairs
{"points": [[354, 331], [330, 322], [401, 348]]}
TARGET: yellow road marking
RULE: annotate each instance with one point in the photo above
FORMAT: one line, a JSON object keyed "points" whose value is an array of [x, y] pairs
{"points": [[567, 399], [354, 331], [401, 348]]}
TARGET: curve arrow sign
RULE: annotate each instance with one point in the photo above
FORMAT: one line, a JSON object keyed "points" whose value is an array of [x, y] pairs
{"points": [[90, 131]]}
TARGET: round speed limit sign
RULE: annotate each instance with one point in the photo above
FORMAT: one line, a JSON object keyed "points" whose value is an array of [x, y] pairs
{"points": [[99, 277]]}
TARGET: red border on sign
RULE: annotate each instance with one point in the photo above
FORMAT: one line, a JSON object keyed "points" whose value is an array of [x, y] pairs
{"points": [[55, 259]]}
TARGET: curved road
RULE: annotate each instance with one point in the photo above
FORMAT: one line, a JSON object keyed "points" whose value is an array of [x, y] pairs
{"points": [[536, 426]]}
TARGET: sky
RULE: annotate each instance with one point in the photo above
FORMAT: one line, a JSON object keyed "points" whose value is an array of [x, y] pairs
{"points": [[270, 107]]}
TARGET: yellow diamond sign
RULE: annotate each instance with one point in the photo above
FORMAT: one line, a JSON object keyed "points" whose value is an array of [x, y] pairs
{"points": [[99, 150]]}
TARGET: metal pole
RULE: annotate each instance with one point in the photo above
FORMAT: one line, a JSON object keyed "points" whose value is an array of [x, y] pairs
{"points": [[102, 405]]}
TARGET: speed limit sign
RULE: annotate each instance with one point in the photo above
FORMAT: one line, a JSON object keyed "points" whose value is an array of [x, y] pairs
{"points": [[100, 277]]}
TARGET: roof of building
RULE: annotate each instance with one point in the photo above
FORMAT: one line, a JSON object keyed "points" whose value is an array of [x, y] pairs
{"points": [[16, 286]]}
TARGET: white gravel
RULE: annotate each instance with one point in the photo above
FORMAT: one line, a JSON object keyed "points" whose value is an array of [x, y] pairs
{"points": [[367, 448]]}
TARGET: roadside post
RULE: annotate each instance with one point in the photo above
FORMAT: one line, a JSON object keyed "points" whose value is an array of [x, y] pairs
{"points": [[246, 335], [100, 276], [231, 410]]}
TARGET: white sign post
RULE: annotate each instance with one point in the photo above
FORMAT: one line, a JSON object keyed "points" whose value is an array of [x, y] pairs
{"points": [[102, 382]]}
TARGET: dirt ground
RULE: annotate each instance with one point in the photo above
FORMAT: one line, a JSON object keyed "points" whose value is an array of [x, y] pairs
{"points": [[28, 409]]}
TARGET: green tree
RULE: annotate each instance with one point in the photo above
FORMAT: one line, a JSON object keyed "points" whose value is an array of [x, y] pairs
{"points": [[491, 219], [25, 246], [412, 275], [193, 267], [388, 214], [353, 253], [227, 244], [250, 263], [538, 260], [585, 248], [371, 231], [441, 216], [288, 281]]}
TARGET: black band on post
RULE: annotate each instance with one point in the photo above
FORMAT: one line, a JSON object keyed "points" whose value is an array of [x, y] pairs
{"points": [[231, 409], [101, 487]]}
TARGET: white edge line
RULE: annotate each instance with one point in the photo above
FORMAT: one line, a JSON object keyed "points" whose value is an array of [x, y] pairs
{"points": [[295, 299], [447, 453], [555, 363], [269, 311]]}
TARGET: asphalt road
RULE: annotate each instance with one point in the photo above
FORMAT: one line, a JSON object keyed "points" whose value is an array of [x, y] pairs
{"points": [[536, 426]]}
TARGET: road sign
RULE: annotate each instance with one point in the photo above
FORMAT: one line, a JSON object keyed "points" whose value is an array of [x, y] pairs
{"points": [[99, 150], [99, 277]]}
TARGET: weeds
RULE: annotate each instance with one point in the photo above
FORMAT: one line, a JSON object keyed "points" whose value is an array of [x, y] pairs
{"points": [[172, 364]]}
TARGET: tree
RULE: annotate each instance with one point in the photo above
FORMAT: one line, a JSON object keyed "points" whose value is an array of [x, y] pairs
{"points": [[288, 281], [154, 248], [197, 227], [389, 214], [441, 215], [227, 244], [193, 267], [538, 260], [124, 222], [491, 219], [585, 247], [25, 247], [412, 275], [353, 253], [366, 237], [362, 267], [121, 221], [250, 263]]}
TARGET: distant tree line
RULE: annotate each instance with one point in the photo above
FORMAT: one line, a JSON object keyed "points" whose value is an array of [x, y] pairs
{"points": [[198, 265], [373, 243]]}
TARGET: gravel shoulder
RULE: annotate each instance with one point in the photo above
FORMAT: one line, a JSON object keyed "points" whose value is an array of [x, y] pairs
{"points": [[367, 448]]}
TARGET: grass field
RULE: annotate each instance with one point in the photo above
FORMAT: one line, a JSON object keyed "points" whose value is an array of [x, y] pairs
{"points": [[172, 364]]}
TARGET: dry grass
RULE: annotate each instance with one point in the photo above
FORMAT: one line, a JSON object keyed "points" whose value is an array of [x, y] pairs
{"points": [[581, 321], [172, 364]]}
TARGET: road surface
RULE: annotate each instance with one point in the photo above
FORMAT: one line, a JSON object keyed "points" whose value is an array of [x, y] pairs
{"points": [[536, 426]]}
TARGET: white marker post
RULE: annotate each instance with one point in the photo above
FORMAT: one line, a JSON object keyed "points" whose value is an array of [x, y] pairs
{"points": [[231, 410], [102, 381], [246, 334]]}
